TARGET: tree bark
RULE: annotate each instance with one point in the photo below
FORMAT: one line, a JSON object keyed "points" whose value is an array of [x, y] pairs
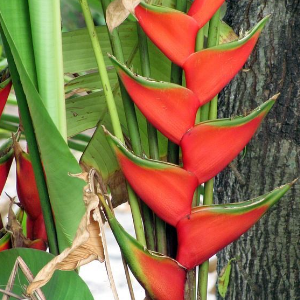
{"points": [[268, 256]]}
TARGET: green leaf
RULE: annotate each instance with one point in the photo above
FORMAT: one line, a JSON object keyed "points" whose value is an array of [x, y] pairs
{"points": [[81, 59], [98, 155], [65, 191], [16, 16], [84, 112], [63, 285], [223, 279]]}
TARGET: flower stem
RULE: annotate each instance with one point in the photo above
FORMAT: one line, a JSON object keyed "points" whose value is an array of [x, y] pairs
{"points": [[160, 226], [133, 201], [210, 112]]}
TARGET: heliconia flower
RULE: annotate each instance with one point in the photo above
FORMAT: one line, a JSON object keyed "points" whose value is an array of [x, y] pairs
{"points": [[36, 228], [209, 70], [38, 244], [172, 31], [210, 146], [208, 229], [26, 186], [5, 242], [203, 10], [5, 88], [171, 108], [6, 158], [166, 188], [162, 277], [29, 198]]}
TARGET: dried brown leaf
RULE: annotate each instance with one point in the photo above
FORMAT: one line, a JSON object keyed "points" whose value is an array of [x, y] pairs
{"points": [[116, 14], [87, 245], [14, 227], [116, 183], [130, 5], [118, 188]]}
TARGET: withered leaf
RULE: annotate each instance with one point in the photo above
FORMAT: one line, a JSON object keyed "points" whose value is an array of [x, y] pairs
{"points": [[86, 247], [116, 14], [130, 5]]}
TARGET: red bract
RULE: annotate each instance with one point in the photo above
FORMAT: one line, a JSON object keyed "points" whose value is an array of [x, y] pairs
{"points": [[203, 10], [210, 146], [29, 197], [210, 228], [167, 189], [172, 31], [162, 277], [169, 107], [4, 92], [208, 71], [6, 153], [26, 185], [36, 228]]}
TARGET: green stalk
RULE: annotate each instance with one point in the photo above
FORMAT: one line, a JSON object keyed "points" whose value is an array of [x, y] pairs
{"points": [[133, 201], [213, 37], [133, 129], [173, 149], [82, 137], [34, 151], [211, 113], [8, 126], [76, 146], [10, 118], [45, 19], [160, 225], [176, 77]]}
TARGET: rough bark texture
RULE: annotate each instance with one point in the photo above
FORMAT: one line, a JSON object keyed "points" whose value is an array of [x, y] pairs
{"points": [[268, 255]]}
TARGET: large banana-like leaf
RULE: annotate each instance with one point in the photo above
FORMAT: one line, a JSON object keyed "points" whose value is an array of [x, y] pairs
{"points": [[16, 15], [65, 191]]}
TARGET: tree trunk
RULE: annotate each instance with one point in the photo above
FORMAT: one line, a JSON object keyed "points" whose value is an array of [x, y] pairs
{"points": [[268, 256]]}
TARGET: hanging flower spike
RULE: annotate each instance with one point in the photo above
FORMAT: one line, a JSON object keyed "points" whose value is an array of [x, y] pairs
{"points": [[5, 88], [209, 70], [166, 188], [171, 108], [6, 158], [172, 31], [210, 228], [210, 146], [26, 185], [36, 228], [162, 277], [203, 10], [29, 198]]}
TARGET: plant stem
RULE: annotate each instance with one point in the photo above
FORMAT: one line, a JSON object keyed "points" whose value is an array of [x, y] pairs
{"points": [[45, 19], [134, 203], [160, 225], [133, 130], [213, 38], [82, 137], [211, 113], [76, 146], [10, 118], [34, 151], [8, 126]]}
